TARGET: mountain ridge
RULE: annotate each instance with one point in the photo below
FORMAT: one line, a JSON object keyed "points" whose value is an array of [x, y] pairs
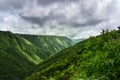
{"points": [[21, 54], [96, 58], [38, 40]]}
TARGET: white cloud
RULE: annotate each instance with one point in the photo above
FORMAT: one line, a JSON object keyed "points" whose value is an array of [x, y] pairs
{"points": [[76, 19]]}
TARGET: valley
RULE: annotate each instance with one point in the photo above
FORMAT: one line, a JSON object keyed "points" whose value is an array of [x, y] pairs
{"points": [[36, 57], [20, 53]]}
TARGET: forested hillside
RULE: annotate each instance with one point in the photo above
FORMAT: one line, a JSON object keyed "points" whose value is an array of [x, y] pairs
{"points": [[18, 55], [97, 58], [52, 44]]}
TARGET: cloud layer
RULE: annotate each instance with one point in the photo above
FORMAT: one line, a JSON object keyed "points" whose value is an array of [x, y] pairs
{"points": [[72, 18]]}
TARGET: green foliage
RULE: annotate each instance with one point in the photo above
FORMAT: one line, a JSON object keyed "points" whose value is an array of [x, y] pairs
{"points": [[97, 58], [18, 56], [16, 60], [52, 44]]}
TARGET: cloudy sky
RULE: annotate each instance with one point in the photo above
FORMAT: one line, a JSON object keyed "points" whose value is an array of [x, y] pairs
{"points": [[72, 18]]}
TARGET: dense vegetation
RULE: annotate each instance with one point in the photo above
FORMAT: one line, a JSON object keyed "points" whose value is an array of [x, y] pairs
{"points": [[53, 44], [15, 60], [97, 58], [18, 56]]}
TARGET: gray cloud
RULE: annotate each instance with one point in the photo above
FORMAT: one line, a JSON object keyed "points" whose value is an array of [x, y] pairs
{"points": [[61, 20], [72, 18], [60, 12], [49, 2], [36, 20], [90, 22], [11, 4]]}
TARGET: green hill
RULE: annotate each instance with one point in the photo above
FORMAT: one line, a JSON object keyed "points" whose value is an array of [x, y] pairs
{"points": [[53, 44], [97, 58], [18, 56]]}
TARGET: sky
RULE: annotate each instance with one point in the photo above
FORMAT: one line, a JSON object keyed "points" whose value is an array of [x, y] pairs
{"points": [[72, 18]]}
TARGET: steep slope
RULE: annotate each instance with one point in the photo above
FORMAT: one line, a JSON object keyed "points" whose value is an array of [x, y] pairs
{"points": [[17, 56], [52, 44], [97, 58]]}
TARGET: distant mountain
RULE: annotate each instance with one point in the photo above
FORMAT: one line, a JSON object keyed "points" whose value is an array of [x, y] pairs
{"points": [[53, 44], [96, 58], [77, 40], [18, 55]]}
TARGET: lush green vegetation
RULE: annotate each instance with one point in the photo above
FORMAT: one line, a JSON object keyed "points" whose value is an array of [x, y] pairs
{"points": [[52, 44], [97, 58], [18, 56], [15, 61]]}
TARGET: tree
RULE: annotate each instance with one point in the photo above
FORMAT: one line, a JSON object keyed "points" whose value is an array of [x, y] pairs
{"points": [[119, 27]]}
